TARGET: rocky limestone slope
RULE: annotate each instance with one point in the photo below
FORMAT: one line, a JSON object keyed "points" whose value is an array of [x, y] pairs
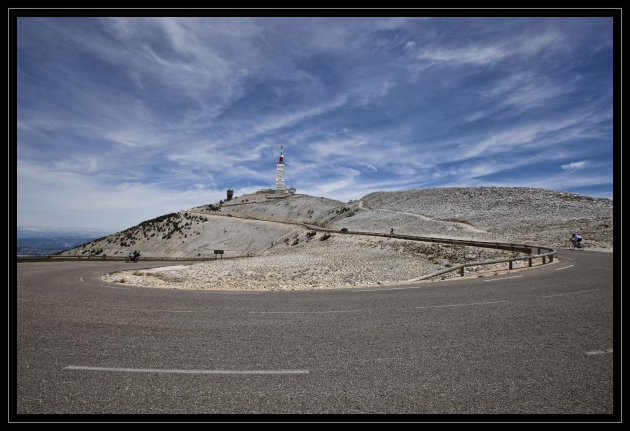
{"points": [[509, 214], [285, 255], [189, 234], [252, 224], [316, 260]]}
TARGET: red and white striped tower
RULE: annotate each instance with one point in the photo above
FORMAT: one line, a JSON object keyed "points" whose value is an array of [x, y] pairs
{"points": [[280, 171]]}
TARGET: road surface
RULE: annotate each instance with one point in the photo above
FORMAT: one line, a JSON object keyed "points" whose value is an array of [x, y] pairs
{"points": [[538, 341]]}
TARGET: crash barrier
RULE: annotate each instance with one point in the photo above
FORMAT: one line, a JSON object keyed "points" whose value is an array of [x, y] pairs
{"points": [[49, 258], [461, 268], [543, 253]]}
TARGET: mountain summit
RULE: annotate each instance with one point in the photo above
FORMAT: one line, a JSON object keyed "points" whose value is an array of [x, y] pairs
{"points": [[254, 223]]}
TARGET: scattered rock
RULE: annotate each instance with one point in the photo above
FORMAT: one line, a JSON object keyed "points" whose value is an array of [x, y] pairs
{"points": [[285, 258]]}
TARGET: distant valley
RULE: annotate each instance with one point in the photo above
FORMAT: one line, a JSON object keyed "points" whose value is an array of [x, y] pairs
{"points": [[32, 242]]}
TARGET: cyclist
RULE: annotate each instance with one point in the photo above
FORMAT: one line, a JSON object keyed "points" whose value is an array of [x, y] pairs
{"points": [[576, 240]]}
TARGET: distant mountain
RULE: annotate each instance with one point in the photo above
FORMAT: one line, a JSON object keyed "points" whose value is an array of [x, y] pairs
{"points": [[47, 241], [251, 224]]}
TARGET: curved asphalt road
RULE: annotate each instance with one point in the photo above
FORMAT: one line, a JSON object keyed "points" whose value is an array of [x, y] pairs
{"points": [[538, 341]]}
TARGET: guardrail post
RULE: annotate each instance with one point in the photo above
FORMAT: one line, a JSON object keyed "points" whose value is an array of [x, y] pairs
{"points": [[510, 265], [461, 271], [530, 262], [544, 260]]}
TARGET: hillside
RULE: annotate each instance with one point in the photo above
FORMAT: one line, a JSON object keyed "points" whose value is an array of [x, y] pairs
{"points": [[296, 208], [510, 214], [189, 234], [258, 223]]}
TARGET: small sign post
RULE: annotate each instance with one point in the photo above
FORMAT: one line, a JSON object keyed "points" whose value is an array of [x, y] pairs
{"points": [[218, 252]]}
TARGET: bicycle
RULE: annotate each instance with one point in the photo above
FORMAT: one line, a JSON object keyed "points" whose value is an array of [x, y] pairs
{"points": [[573, 244], [133, 257]]}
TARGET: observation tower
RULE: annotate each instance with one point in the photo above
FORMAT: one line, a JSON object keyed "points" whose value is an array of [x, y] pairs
{"points": [[280, 187]]}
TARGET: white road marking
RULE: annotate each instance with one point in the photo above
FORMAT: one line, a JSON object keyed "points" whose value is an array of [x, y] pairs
{"points": [[38, 301], [599, 352], [228, 293], [385, 288], [182, 371], [564, 267], [571, 293], [504, 278], [305, 312], [461, 305], [148, 309]]}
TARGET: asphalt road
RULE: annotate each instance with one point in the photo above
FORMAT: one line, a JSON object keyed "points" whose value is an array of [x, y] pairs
{"points": [[538, 341]]}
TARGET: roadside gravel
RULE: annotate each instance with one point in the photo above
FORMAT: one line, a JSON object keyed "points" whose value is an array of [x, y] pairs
{"points": [[305, 262], [507, 214], [289, 257]]}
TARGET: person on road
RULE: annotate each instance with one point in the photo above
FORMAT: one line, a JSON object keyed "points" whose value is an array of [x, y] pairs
{"points": [[391, 231], [576, 239]]}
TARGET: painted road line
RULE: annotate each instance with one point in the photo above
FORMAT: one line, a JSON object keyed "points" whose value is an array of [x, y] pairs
{"points": [[564, 267], [35, 300], [227, 293], [385, 289], [183, 371], [149, 309], [599, 352], [462, 305], [504, 278], [305, 312], [571, 293]]}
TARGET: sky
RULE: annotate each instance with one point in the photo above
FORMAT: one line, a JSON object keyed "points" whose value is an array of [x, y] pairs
{"points": [[123, 119]]}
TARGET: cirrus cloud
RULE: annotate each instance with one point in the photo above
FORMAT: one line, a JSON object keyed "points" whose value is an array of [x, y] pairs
{"points": [[152, 113]]}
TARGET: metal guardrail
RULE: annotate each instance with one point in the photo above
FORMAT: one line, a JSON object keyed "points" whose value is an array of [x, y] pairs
{"points": [[462, 267], [521, 248], [48, 258]]}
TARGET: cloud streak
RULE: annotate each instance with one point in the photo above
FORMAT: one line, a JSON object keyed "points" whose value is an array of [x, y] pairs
{"points": [[130, 117]]}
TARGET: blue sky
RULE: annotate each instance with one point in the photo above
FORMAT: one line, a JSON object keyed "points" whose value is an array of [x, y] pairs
{"points": [[120, 120]]}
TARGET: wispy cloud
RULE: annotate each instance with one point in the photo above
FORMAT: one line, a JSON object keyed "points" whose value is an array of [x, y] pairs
{"points": [[573, 166], [142, 115], [82, 201], [498, 47]]}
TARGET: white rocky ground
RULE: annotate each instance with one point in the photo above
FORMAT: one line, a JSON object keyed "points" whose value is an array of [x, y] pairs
{"points": [[286, 257], [313, 262], [190, 234], [509, 214]]}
